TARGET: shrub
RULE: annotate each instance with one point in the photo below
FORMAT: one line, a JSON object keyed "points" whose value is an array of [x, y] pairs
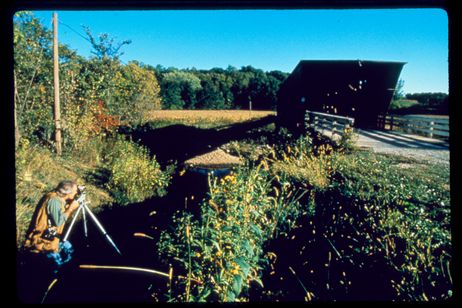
{"points": [[347, 142], [398, 219], [134, 175]]}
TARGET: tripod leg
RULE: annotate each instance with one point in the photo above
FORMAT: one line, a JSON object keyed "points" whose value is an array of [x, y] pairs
{"points": [[72, 224], [85, 223], [102, 229]]}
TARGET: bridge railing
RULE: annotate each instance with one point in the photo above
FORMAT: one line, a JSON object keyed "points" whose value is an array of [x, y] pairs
{"points": [[432, 127], [328, 123]]}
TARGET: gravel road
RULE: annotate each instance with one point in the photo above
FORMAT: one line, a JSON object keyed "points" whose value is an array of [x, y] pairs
{"points": [[413, 146]]}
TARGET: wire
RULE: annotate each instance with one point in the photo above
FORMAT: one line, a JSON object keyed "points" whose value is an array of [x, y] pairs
{"points": [[79, 34]]}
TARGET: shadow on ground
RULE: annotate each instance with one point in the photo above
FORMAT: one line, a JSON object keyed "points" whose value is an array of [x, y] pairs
{"points": [[181, 142]]}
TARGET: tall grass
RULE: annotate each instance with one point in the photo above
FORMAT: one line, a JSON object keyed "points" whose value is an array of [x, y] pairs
{"points": [[38, 171]]}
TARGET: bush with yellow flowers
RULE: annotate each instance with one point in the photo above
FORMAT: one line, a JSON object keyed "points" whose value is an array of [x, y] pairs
{"points": [[222, 253], [308, 166]]}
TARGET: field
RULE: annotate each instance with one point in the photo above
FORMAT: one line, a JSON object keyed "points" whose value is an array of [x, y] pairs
{"points": [[203, 118]]}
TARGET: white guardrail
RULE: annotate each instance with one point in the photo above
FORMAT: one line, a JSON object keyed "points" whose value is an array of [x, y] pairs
{"points": [[325, 122], [429, 126]]}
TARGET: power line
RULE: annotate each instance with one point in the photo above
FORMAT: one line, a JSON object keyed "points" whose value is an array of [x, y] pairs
{"points": [[82, 36]]}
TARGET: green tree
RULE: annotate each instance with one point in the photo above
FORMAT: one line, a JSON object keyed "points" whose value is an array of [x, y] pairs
{"points": [[263, 90], [216, 90], [399, 93], [210, 97], [33, 79], [179, 89], [137, 91], [105, 46], [240, 88], [33, 72]]}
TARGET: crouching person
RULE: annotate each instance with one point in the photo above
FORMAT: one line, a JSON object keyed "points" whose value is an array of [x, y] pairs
{"points": [[44, 252]]}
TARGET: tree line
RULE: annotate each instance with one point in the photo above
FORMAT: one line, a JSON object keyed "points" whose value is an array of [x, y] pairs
{"points": [[218, 88], [426, 103]]}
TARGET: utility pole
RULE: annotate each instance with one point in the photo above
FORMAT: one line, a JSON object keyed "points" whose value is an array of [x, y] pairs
{"points": [[57, 112], [17, 135], [250, 106]]}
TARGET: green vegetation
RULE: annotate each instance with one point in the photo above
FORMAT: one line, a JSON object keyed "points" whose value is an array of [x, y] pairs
{"points": [[378, 213], [39, 171], [400, 217], [402, 103], [98, 95], [87, 86], [133, 175], [224, 249], [218, 88], [420, 103], [121, 172]]}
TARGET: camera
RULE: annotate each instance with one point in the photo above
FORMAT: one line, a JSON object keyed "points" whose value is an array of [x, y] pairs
{"points": [[50, 233], [81, 189], [81, 194]]}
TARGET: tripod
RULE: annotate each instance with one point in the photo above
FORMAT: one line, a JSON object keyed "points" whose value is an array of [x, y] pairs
{"points": [[84, 209]]}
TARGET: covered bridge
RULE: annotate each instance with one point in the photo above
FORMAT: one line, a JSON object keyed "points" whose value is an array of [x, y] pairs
{"points": [[354, 88]]}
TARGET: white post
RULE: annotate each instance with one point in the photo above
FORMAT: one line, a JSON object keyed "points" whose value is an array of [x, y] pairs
{"points": [[431, 129]]}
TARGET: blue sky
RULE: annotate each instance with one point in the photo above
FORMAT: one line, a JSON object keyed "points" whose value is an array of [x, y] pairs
{"points": [[273, 39]]}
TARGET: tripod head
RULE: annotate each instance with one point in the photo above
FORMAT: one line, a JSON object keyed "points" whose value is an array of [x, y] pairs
{"points": [[81, 189]]}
